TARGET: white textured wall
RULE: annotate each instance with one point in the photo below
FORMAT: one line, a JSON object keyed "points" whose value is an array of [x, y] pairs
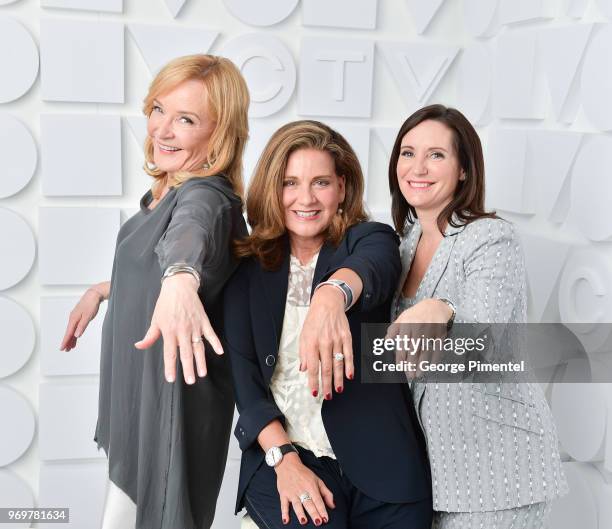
{"points": [[534, 75]]}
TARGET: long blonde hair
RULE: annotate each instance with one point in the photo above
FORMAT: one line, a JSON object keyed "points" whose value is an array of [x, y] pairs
{"points": [[228, 102], [264, 203]]}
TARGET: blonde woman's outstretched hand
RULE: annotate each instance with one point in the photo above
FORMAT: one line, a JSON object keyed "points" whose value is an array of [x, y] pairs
{"points": [[82, 313], [180, 320]]}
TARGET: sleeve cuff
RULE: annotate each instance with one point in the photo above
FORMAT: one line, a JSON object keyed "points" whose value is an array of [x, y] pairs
{"points": [[252, 421], [362, 268]]}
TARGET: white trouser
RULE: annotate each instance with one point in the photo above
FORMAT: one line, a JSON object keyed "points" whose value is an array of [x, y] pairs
{"points": [[119, 509]]}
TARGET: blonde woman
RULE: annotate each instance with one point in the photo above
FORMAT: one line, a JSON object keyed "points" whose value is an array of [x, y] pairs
{"points": [[167, 442]]}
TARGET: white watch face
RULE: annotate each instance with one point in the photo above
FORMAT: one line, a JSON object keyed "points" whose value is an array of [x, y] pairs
{"points": [[273, 456]]}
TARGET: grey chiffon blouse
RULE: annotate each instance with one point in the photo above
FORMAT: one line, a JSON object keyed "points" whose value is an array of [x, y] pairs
{"points": [[167, 443]]}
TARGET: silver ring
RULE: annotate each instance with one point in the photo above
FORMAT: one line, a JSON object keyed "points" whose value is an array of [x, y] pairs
{"points": [[305, 497], [338, 357], [197, 340]]}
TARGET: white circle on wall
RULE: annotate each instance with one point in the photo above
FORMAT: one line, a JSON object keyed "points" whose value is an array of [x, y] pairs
{"points": [[592, 186], [269, 70], [18, 243], [585, 297], [580, 416], [474, 80], [18, 336], [596, 80], [14, 492], [19, 56], [18, 154], [17, 419], [261, 12]]}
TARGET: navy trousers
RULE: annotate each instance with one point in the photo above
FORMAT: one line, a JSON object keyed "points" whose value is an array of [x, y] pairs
{"points": [[354, 510]]}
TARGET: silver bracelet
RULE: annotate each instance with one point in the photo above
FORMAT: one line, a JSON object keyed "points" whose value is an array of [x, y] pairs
{"points": [[180, 268], [344, 287], [449, 323]]}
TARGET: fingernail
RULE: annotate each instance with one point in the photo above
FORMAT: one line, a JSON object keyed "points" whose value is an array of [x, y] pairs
{"points": [[350, 377], [317, 521], [328, 396], [325, 520], [314, 392], [202, 373], [190, 380], [169, 378], [285, 521], [339, 389], [77, 334], [302, 521]]}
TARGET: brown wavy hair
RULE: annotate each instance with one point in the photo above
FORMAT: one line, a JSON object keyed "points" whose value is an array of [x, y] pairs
{"points": [[264, 204], [228, 103], [468, 203]]}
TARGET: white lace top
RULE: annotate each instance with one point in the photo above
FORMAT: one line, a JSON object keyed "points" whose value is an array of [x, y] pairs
{"points": [[289, 385]]}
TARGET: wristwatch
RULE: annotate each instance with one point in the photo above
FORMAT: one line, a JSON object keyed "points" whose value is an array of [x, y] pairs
{"points": [[449, 323], [275, 454]]}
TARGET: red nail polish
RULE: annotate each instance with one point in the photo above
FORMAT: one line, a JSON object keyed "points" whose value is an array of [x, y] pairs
{"points": [[285, 521], [339, 389], [350, 377], [328, 396], [302, 521], [314, 392], [317, 521]]}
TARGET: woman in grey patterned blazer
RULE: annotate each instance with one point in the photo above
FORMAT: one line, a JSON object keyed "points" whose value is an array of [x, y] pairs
{"points": [[493, 448]]}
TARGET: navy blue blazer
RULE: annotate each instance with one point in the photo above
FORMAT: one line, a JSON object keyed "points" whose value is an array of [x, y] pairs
{"points": [[372, 428]]}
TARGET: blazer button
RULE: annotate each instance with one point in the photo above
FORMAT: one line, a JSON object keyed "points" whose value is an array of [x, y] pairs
{"points": [[270, 360]]}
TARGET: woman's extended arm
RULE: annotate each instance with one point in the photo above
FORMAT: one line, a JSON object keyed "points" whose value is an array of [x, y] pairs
{"points": [[191, 239], [326, 331], [371, 268], [83, 312]]}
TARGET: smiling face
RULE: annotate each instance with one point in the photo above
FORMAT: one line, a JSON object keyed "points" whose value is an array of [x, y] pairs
{"points": [[312, 193], [428, 170], [180, 127]]}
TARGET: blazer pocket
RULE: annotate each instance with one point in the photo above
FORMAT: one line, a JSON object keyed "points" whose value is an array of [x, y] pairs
{"points": [[506, 411]]}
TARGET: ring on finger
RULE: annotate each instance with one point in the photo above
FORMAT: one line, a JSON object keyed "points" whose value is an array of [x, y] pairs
{"points": [[339, 357], [197, 339], [304, 497]]}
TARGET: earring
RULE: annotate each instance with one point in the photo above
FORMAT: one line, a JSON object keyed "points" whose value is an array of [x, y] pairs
{"points": [[340, 211], [205, 166], [151, 166]]}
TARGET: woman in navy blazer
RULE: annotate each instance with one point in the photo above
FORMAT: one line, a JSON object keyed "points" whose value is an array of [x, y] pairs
{"points": [[357, 460]]}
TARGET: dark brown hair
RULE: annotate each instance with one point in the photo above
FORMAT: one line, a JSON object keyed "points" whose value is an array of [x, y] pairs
{"points": [[264, 204], [468, 202]]}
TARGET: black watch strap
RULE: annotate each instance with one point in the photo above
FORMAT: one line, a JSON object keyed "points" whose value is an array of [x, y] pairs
{"points": [[287, 448]]}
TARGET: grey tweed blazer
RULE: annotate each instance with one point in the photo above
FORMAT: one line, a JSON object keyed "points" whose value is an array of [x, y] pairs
{"points": [[491, 446]]}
